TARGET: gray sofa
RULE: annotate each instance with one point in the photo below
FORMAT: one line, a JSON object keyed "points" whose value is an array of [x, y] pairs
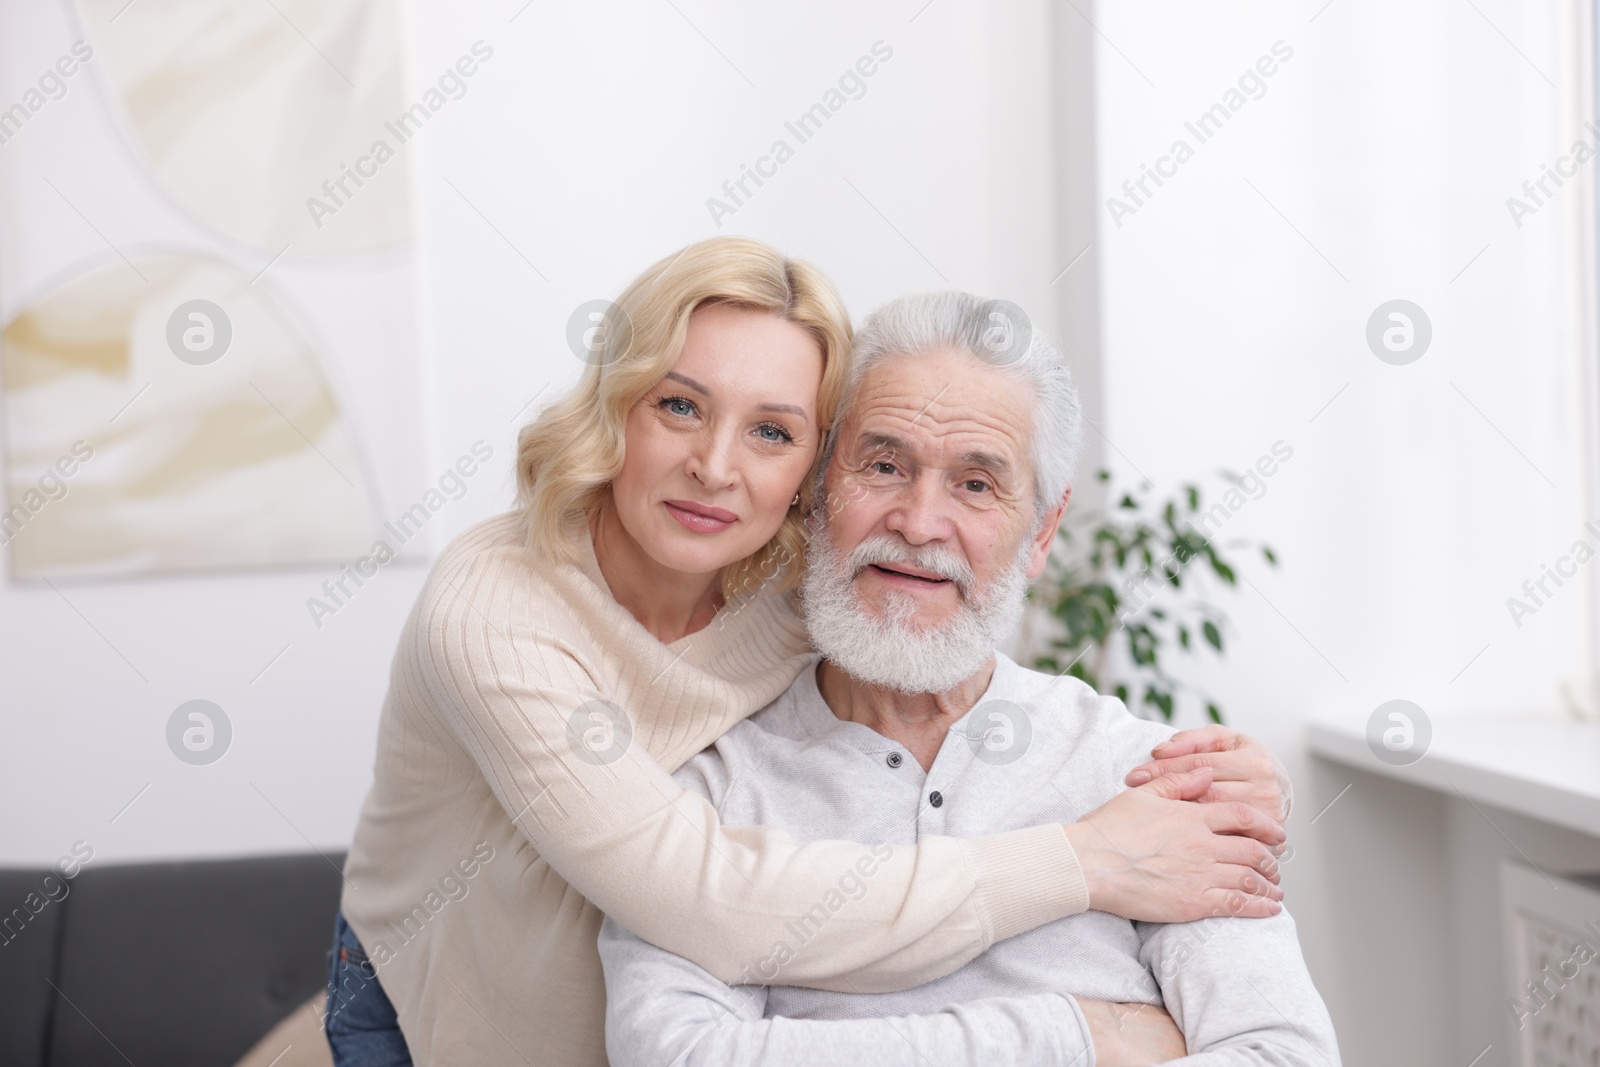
{"points": [[172, 964]]}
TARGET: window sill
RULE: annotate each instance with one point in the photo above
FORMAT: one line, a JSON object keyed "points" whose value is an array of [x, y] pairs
{"points": [[1544, 767]]}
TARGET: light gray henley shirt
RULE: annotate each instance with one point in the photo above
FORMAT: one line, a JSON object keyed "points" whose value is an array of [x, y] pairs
{"points": [[1035, 749]]}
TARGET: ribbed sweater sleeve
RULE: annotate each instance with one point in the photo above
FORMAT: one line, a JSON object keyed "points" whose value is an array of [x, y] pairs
{"points": [[573, 720]]}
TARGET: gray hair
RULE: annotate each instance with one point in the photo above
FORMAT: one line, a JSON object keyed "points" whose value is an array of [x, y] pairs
{"points": [[1000, 334]]}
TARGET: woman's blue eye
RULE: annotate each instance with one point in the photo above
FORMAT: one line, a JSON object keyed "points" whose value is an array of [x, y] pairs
{"points": [[678, 405], [774, 433]]}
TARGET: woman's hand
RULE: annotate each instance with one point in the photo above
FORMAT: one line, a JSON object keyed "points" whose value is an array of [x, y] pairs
{"points": [[1242, 769], [1131, 1035], [1151, 854]]}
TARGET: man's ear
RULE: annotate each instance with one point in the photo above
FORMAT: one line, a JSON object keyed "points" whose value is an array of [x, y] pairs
{"points": [[1046, 536]]}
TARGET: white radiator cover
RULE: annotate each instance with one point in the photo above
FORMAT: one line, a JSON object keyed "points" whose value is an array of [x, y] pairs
{"points": [[1551, 925]]}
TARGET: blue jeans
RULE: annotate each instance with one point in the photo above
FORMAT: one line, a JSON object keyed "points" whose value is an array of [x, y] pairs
{"points": [[363, 1030]]}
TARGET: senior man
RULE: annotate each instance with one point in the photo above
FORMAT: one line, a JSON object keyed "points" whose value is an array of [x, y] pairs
{"points": [[943, 486]]}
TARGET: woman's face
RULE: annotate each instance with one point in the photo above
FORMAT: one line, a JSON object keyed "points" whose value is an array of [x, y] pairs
{"points": [[717, 450]]}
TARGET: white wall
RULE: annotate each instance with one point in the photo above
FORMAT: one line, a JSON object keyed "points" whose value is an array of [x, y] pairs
{"points": [[595, 141], [1390, 141]]}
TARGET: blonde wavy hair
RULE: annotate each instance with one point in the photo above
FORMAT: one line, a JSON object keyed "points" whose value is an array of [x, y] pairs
{"points": [[568, 456]]}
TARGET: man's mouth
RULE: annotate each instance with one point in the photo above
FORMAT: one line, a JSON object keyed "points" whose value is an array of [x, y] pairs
{"points": [[899, 570]]}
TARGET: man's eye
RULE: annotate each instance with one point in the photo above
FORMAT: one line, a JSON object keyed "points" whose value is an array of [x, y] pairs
{"points": [[975, 485], [882, 467]]}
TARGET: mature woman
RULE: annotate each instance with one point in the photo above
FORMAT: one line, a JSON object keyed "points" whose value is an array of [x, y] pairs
{"points": [[564, 658]]}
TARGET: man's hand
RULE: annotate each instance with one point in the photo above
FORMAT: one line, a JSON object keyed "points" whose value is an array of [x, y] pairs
{"points": [[1131, 1035], [1149, 854], [1242, 769]]}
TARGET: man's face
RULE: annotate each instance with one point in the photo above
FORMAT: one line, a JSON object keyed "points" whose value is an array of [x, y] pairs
{"points": [[919, 566], [934, 453]]}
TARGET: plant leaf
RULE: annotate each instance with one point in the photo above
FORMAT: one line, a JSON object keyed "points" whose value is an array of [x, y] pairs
{"points": [[1161, 699], [1212, 634]]}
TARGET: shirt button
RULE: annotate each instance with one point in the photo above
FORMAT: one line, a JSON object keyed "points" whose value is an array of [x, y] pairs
{"points": [[895, 759], [936, 798]]}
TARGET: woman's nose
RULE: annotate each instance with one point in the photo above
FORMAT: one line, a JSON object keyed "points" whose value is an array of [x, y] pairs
{"points": [[709, 464]]}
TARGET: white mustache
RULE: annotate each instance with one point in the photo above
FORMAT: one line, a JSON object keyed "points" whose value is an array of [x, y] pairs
{"points": [[933, 558]]}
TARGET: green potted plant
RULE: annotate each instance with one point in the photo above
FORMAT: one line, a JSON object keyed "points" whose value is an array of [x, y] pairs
{"points": [[1133, 576]]}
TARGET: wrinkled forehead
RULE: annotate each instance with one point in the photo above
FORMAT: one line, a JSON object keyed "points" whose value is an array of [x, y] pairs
{"points": [[943, 408]]}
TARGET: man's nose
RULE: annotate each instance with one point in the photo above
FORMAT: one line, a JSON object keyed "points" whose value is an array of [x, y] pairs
{"points": [[920, 514]]}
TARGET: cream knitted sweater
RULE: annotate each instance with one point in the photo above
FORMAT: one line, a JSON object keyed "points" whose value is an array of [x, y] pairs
{"points": [[522, 791]]}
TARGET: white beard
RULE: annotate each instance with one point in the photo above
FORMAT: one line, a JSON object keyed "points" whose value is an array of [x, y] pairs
{"points": [[889, 651]]}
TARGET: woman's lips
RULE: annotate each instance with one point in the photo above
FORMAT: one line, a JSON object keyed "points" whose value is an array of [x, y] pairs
{"points": [[700, 518]]}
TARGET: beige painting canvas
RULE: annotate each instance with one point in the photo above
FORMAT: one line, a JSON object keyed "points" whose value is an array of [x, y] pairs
{"points": [[182, 336], [237, 460]]}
